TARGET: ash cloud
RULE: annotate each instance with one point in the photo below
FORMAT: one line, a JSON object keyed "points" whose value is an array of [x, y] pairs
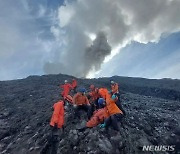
{"points": [[47, 36], [96, 53], [123, 21], [81, 63]]}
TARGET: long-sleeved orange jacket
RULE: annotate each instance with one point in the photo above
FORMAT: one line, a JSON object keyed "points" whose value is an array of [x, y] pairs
{"points": [[74, 84], [110, 103], [58, 114], [66, 88], [80, 99], [98, 117]]}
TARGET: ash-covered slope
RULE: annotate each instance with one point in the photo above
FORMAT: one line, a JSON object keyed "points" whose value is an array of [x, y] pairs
{"points": [[153, 117]]}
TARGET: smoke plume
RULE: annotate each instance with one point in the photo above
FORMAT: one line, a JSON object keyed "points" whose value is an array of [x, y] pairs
{"points": [[88, 59], [116, 22]]}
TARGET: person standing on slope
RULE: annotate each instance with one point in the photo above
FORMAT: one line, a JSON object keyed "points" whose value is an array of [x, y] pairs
{"points": [[115, 91], [74, 85], [57, 119], [66, 89]]}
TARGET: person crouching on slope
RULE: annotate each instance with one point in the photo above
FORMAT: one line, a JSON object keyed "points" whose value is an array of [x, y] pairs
{"points": [[81, 102], [66, 89], [93, 98], [114, 112], [57, 119]]}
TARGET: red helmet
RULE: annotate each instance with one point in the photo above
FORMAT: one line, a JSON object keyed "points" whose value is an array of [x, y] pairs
{"points": [[92, 87]]}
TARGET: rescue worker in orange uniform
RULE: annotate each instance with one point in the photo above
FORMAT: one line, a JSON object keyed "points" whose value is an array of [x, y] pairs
{"points": [[68, 99], [115, 91], [103, 92], [66, 89], [114, 112], [81, 102], [94, 95], [57, 119], [93, 98], [98, 116], [74, 85]]}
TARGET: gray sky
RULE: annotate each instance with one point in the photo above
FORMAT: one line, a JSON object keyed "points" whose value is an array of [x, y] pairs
{"points": [[52, 36]]}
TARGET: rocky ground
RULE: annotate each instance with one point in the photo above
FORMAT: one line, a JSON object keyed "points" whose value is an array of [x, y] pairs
{"points": [[153, 117]]}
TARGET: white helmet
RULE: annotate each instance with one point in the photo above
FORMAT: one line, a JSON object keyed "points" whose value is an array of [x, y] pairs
{"points": [[65, 81], [112, 82]]}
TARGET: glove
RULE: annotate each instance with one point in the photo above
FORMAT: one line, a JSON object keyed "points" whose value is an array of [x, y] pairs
{"points": [[102, 125], [113, 97], [74, 105]]}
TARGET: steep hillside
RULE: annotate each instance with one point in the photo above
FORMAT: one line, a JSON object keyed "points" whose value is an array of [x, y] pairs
{"points": [[153, 117]]}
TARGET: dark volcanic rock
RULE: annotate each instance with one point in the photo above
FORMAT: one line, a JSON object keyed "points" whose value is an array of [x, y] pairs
{"points": [[153, 117]]}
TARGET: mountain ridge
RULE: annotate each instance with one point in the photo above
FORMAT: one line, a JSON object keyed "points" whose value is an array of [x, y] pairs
{"points": [[152, 117]]}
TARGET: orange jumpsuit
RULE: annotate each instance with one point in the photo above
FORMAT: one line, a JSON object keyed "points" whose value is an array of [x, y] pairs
{"points": [[98, 117], [80, 99], [74, 84], [58, 114], [110, 103], [112, 107], [114, 112], [68, 98], [103, 92], [66, 88]]}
